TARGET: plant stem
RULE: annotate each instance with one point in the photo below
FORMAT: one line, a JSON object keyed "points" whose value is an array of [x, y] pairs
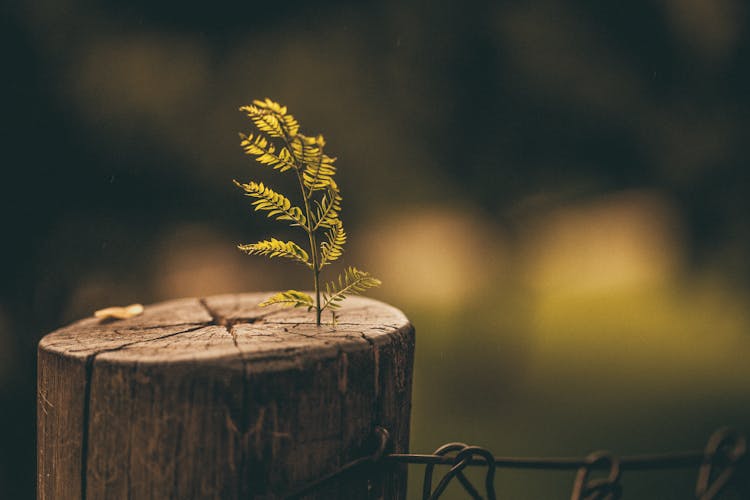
{"points": [[310, 231], [313, 247]]}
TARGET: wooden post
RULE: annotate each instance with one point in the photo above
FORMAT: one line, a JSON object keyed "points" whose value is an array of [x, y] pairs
{"points": [[217, 398]]}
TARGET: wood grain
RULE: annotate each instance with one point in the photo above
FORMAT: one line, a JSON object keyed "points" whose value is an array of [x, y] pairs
{"points": [[217, 398]]}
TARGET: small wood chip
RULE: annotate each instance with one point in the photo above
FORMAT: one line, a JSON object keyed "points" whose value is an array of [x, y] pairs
{"points": [[120, 312]]}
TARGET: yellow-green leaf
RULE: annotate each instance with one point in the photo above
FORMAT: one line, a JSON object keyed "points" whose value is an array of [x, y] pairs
{"points": [[351, 282], [276, 204], [290, 298], [326, 213], [266, 153], [333, 248], [272, 118], [277, 248]]}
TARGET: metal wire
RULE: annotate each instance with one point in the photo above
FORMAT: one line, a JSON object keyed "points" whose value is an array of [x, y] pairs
{"points": [[607, 488], [383, 441], [462, 459], [730, 446], [717, 464], [630, 463]]}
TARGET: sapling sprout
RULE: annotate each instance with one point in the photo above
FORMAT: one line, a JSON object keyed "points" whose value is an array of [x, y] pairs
{"points": [[279, 144]]}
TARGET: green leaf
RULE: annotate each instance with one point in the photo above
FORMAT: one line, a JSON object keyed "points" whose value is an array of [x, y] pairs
{"points": [[307, 149], [265, 152], [272, 118], [326, 213], [290, 298], [319, 175], [276, 204], [352, 282], [319, 167], [277, 248], [333, 248]]}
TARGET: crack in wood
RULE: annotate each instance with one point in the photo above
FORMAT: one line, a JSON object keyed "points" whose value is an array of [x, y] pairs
{"points": [[159, 327], [89, 370], [85, 423], [146, 341], [219, 319], [243, 428], [312, 337]]}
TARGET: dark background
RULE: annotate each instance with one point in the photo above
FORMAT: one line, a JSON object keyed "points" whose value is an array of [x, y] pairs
{"points": [[555, 192]]}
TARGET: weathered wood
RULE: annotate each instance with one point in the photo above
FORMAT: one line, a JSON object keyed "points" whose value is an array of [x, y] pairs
{"points": [[217, 398]]}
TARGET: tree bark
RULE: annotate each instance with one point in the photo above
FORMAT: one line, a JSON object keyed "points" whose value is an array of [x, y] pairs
{"points": [[217, 398]]}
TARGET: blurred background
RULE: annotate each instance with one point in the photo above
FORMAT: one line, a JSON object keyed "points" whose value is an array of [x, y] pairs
{"points": [[555, 192]]}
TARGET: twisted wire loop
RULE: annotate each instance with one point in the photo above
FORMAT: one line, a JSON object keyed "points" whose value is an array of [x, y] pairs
{"points": [[384, 438], [429, 468], [465, 456], [724, 450], [607, 488]]}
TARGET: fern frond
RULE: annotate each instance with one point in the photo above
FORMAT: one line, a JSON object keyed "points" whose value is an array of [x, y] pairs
{"points": [[265, 152], [307, 149], [277, 142], [352, 282], [332, 249], [277, 248], [272, 118], [290, 298], [327, 210], [319, 167], [319, 175], [276, 204]]}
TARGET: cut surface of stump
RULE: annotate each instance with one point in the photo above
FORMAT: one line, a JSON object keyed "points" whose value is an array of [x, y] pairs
{"points": [[217, 398]]}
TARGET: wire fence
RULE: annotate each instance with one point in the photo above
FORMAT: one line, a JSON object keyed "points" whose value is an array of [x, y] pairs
{"points": [[717, 465]]}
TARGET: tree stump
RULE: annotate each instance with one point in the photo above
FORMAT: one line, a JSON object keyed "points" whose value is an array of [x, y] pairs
{"points": [[217, 398]]}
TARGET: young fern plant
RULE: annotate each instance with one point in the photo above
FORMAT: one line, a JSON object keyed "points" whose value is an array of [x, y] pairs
{"points": [[279, 144]]}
